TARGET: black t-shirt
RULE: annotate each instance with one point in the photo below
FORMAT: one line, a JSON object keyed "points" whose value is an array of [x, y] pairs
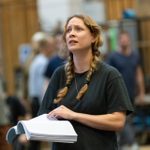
{"points": [[106, 94]]}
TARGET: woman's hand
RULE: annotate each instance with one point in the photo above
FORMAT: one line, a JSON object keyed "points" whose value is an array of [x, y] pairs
{"points": [[62, 112]]}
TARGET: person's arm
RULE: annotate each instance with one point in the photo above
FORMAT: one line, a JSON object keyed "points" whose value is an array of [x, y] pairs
{"points": [[140, 84], [112, 122]]}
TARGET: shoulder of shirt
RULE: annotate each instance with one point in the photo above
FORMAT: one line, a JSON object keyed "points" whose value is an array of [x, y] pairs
{"points": [[112, 55], [104, 67], [60, 69]]}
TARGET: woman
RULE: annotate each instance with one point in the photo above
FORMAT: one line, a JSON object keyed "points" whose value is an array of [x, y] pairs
{"points": [[89, 93]]}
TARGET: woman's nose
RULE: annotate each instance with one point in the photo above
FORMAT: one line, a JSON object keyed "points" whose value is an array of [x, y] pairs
{"points": [[72, 33]]}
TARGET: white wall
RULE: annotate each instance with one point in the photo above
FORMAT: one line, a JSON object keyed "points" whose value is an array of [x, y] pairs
{"points": [[50, 11], [95, 9]]}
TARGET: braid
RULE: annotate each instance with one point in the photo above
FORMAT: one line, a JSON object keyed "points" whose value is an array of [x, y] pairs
{"points": [[69, 70], [69, 74], [61, 94], [84, 88]]}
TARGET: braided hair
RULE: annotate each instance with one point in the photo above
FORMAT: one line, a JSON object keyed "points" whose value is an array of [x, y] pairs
{"points": [[69, 68]]}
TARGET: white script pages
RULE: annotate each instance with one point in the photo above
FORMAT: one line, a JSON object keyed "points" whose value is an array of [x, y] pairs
{"points": [[43, 128]]}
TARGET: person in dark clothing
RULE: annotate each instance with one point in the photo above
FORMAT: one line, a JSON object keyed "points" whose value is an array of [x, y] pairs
{"points": [[53, 63], [17, 109], [17, 112], [86, 91], [127, 61]]}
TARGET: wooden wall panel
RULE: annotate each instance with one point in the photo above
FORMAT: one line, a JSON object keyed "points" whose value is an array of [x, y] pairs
{"points": [[114, 8], [19, 21], [32, 22], [142, 7], [144, 44]]}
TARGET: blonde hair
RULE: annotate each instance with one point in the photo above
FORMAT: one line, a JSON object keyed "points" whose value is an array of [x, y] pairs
{"points": [[96, 32]]}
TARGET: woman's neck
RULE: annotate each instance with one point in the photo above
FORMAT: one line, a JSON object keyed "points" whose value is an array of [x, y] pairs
{"points": [[82, 62]]}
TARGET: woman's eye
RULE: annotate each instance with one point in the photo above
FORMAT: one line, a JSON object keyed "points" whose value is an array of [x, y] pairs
{"points": [[68, 30], [79, 29]]}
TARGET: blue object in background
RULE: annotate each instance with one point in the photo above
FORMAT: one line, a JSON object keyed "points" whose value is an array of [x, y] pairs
{"points": [[129, 14]]}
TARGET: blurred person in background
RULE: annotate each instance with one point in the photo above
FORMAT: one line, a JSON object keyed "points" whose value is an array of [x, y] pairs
{"points": [[127, 61], [4, 115], [36, 37], [86, 91], [35, 40], [45, 46], [59, 57]]}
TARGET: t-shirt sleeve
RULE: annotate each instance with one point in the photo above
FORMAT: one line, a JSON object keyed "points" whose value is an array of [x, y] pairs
{"points": [[117, 96]]}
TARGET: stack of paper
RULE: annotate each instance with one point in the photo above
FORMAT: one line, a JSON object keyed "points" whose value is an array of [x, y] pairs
{"points": [[44, 129]]}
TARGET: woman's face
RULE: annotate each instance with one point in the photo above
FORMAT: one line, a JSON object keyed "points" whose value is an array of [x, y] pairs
{"points": [[78, 36]]}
